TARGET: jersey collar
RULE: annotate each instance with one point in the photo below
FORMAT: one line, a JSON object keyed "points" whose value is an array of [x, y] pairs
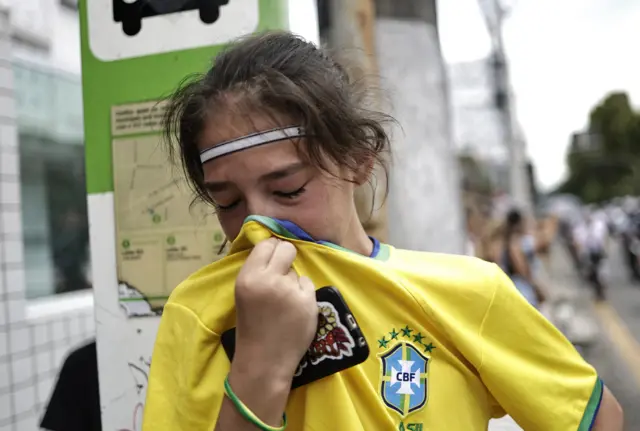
{"points": [[291, 230]]}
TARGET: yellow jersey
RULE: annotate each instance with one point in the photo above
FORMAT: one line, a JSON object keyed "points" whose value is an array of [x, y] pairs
{"points": [[453, 344]]}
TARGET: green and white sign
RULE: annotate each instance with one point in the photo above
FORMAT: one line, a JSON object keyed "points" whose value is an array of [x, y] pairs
{"points": [[144, 237]]}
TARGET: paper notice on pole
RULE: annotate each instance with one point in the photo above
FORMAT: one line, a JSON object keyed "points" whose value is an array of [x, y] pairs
{"points": [[161, 237]]}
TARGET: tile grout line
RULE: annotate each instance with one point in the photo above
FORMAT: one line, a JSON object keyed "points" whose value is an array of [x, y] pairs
{"points": [[11, 124], [11, 365], [34, 366], [52, 359]]}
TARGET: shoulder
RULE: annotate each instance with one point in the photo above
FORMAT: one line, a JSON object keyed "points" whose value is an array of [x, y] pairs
{"points": [[456, 293], [452, 275], [448, 263]]}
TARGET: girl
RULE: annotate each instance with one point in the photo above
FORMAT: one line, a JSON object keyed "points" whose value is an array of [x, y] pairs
{"points": [[518, 258], [273, 137]]}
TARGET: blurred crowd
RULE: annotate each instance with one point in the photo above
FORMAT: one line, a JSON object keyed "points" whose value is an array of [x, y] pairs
{"points": [[589, 236], [516, 242], [520, 243]]}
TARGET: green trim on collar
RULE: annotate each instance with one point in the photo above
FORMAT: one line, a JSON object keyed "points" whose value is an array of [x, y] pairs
{"points": [[277, 228]]}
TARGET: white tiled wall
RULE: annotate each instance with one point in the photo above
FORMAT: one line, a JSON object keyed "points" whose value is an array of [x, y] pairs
{"points": [[32, 348]]}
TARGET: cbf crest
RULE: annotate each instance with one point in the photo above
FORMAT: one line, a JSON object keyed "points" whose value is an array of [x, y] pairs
{"points": [[404, 371]]}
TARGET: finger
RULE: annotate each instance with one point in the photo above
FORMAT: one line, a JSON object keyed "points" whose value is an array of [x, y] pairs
{"points": [[261, 253], [306, 285], [282, 257], [292, 276]]}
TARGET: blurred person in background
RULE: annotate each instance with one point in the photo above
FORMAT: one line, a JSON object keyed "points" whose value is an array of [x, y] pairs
{"points": [[474, 231], [591, 236], [536, 243], [542, 237], [630, 235], [509, 245], [567, 237], [579, 235]]}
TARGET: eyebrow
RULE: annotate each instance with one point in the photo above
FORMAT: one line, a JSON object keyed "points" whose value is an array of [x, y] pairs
{"points": [[293, 168]]}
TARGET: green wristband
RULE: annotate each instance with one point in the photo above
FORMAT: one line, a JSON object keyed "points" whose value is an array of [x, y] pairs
{"points": [[248, 414]]}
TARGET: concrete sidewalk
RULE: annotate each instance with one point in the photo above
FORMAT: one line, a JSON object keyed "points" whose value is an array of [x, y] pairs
{"points": [[569, 305]]}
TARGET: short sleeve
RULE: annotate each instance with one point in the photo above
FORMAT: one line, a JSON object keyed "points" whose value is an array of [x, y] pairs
{"points": [[531, 369], [185, 388]]}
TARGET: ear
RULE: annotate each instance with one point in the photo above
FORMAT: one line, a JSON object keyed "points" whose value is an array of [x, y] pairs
{"points": [[364, 171]]}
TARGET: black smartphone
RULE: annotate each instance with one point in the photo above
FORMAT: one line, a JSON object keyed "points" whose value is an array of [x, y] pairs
{"points": [[339, 343]]}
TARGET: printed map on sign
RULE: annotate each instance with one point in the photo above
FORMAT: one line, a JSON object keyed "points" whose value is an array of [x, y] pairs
{"points": [[161, 237]]}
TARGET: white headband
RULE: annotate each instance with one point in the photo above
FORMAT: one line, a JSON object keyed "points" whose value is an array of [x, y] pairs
{"points": [[250, 141]]}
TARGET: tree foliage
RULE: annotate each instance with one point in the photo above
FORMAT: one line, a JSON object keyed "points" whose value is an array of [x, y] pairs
{"points": [[604, 161]]}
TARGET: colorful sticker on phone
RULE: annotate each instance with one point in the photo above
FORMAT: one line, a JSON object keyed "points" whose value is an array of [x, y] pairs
{"points": [[333, 340]]}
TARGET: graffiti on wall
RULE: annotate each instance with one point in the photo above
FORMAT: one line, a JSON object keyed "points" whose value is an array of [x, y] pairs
{"points": [[139, 370]]}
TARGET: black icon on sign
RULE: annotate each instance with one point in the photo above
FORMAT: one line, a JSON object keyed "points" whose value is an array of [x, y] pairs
{"points": [[131, 12]]}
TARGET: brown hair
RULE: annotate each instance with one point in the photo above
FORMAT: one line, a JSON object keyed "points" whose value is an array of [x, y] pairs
{"points": [[281, 74]]}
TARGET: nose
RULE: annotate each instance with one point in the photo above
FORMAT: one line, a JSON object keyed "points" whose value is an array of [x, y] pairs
{"points": [[257, 205]]}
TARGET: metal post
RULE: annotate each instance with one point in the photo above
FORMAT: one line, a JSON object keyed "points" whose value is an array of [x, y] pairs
{"points": [[352, 36], [425, 204], [518, 178]]}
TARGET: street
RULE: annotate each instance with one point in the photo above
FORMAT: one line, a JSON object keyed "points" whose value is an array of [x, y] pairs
{"points": [[616, 351]]}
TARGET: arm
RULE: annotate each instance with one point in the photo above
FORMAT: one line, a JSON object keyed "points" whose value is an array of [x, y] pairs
{"points": [[265, 397], [522, 267], [610, 416], [272, 304], [543, 238], [184, 357], [519, 261]]}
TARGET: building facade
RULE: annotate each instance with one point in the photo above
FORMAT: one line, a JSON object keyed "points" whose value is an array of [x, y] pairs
{"points": [[46, 302], [476, 123], [46, 306]]}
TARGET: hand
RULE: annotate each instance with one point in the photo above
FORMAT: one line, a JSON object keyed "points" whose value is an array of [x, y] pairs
{"points": [[277, 313]]}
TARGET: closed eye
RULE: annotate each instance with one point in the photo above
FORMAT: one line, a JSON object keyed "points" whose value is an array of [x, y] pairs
{"points": [[227, 207], [291, 195]]}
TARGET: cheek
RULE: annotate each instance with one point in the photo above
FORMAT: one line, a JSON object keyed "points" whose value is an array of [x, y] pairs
{"points": [[230, 225], [323, 213]]}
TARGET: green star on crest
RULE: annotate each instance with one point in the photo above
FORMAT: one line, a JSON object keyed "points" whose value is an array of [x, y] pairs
{"points": [[418, 338], [429, 347], [382, 343], [393, 334], [406, 331]]}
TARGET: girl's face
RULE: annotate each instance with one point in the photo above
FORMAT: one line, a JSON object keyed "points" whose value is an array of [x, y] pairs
{"points": [[274, 180]]}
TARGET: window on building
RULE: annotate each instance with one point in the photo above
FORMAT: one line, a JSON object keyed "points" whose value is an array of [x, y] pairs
{"points": [[54, 201]]}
